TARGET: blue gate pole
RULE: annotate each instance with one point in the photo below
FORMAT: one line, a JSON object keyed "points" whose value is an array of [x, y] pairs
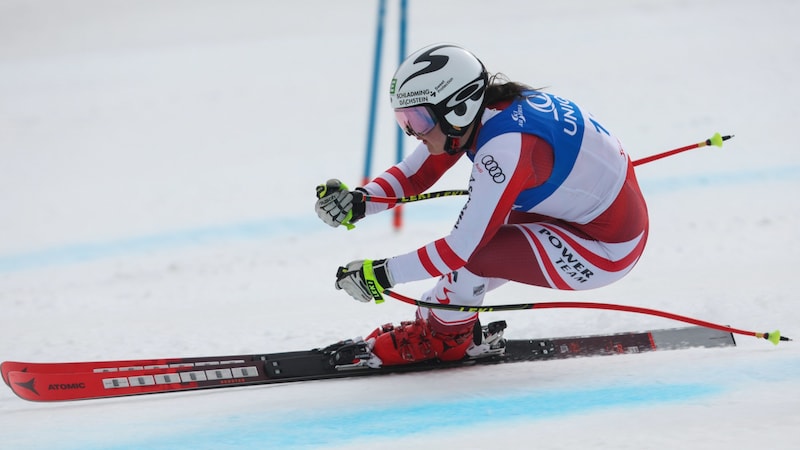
{"points": [[398, 210], [376, 72]]}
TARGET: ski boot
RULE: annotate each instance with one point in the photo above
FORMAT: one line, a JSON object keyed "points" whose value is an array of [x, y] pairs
{"points": [[488, 340]]}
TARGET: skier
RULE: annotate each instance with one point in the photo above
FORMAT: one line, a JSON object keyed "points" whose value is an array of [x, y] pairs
{"points": [[553, 201]]}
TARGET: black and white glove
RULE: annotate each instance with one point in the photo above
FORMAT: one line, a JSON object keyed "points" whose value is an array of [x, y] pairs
{"points": [[337, 205], [364, 280]]}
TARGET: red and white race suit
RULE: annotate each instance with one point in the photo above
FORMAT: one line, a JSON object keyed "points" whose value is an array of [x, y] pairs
{"points": [[553, 202]]}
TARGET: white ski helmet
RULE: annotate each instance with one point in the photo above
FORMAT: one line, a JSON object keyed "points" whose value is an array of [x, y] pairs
{"points": [[447, 79]]}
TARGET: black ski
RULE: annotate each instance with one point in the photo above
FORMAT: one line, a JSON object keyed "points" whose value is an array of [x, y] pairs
{"points": [[47, 382]]}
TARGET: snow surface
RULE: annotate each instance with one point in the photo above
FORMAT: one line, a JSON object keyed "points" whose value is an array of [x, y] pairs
{"points": [[157, 168]]}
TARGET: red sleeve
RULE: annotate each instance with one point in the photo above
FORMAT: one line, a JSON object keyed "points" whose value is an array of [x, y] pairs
{"points": [[414, 175]]}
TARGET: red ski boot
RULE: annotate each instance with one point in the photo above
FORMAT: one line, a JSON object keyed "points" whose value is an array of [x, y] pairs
{"points": [[412, 342]]}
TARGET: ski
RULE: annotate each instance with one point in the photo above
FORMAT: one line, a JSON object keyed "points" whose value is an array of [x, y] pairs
{"points": [[49, 382]]}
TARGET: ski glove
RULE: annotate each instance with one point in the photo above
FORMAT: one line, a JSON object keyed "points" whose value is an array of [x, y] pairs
{"points": [[364, 280], [336, 205]]}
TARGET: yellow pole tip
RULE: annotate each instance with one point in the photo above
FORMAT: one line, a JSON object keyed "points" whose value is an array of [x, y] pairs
{"points": [[716, 140], [773, 337]]}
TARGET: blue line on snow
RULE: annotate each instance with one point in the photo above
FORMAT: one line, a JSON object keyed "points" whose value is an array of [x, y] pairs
{"points": [[78, 253], [309, 429], [669, 185], [276, 227]]}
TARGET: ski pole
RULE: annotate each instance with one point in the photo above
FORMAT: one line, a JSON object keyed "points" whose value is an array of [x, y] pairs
{"points": [[773, 337], [715, 140], [414, 198]]}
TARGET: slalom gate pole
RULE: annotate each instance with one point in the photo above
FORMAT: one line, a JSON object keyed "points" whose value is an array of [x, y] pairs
{"points": [[773, 337], [373, 102], [401, 53], [715, 140]]}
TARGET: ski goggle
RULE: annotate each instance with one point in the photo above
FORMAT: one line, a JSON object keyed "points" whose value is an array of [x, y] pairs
{"points": [[416, 120]]}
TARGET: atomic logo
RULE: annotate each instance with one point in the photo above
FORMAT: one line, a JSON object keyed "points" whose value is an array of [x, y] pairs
{"points": [[29, 385]]}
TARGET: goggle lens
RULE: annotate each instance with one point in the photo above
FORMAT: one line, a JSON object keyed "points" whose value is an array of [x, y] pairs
{"points": [[416, 120]]}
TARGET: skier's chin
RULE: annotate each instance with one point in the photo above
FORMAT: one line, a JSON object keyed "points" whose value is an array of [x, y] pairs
{"points": [[432, 149]]}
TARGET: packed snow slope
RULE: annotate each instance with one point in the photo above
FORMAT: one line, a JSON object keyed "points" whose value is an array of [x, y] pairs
{"points": [[157, 169]]}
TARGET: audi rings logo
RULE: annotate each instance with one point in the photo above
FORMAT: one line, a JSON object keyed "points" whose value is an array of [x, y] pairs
{"points": [[494, 169]]}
